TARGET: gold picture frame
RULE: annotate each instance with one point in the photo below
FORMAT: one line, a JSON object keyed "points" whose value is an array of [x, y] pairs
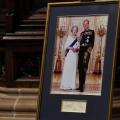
{"points": [[53, 102]]}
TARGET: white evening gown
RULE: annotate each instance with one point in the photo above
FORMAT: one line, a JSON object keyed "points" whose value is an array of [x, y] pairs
{"points": [[68, 79]]}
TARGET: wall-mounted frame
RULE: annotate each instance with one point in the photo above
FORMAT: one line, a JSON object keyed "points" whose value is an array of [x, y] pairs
{"points": [[78, 61]]}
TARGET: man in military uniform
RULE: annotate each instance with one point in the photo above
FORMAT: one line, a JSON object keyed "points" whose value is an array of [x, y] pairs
{"points": [[86, 45]]}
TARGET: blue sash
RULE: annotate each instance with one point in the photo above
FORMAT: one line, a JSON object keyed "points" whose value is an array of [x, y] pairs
{"points": [[71, 45]]}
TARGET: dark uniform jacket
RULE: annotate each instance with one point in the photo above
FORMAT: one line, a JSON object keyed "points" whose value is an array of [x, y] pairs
{"points": [[87, 41]]}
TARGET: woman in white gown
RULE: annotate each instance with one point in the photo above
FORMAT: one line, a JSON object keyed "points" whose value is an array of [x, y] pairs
{"points": [[68, 79]]}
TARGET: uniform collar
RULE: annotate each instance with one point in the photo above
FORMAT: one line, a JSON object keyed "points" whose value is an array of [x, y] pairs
{"points": [[86, 30]]}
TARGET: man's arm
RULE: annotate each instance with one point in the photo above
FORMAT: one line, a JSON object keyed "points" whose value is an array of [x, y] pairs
{"points": [[92, 42], [93, 38]]}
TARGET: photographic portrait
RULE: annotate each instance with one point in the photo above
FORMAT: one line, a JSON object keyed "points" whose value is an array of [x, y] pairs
{"points": [[79, 52]]}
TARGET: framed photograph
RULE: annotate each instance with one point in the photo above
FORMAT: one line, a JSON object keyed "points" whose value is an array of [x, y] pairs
{"points": [[78, 61]]}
